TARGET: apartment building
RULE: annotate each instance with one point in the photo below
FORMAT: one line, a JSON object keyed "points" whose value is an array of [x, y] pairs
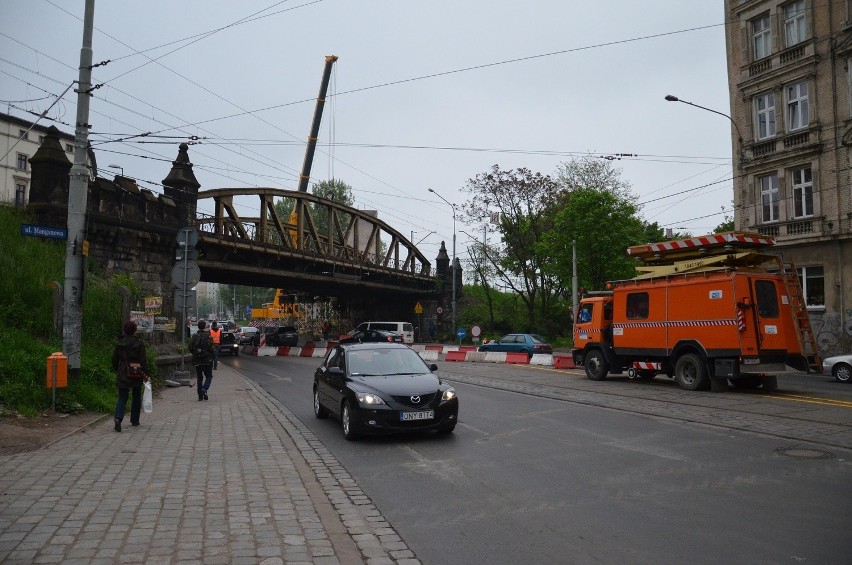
{"points": [[19, 140], [789, 78]]}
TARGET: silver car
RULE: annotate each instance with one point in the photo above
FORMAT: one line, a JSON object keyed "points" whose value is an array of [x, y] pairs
{"points": [[839, 366]]}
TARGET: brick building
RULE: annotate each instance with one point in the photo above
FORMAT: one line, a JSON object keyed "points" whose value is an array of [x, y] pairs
{"points": [[789, 78]]}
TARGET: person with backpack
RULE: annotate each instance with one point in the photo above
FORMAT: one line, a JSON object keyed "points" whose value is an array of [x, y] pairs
{"points": [[202, 348], [130, 363]]}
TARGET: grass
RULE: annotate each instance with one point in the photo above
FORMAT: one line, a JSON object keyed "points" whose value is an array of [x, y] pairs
{"points": [[32, 268]]}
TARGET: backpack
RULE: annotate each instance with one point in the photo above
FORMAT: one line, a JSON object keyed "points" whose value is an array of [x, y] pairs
{"points": [[131, 370], [201, 345]]}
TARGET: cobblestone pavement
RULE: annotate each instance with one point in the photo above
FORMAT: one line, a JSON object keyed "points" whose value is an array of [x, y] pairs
{"points": [[235, 479]]}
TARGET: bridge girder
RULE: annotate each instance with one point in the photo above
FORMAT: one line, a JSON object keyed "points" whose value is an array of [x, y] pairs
{"points": [[328, 249]]}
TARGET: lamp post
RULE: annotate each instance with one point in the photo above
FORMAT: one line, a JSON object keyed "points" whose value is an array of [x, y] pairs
{"points": [[672, 98], [117, 167], [454, 255]]}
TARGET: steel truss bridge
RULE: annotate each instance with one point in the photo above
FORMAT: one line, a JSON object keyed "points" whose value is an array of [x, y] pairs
{"points": [[321, 248]]}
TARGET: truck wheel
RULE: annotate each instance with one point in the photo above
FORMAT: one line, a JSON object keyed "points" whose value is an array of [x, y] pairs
{"points": [[691, 372], [596, 365]]}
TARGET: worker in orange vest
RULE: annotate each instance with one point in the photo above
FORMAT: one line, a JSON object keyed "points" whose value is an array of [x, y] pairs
{"points": [[216, 334]]}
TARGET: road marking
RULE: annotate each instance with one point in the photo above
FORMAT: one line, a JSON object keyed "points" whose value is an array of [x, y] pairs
{"points": [[810, 399], [279, 377]]}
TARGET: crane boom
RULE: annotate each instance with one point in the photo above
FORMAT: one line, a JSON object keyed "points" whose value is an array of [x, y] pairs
{"points": [[305, 176]]}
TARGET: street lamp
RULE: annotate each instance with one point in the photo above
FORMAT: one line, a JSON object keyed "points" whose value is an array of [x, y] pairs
{"points": [[672, 98], [117, 167], [454, 254]]}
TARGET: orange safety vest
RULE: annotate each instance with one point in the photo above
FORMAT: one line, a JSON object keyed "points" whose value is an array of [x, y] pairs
{"points": [[216, 335]]}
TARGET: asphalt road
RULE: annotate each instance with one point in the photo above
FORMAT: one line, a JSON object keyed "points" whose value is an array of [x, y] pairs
{"points": [[546, 466]]}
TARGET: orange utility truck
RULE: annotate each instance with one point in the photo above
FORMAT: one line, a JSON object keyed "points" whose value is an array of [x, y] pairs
{"points": [[704, 311]]}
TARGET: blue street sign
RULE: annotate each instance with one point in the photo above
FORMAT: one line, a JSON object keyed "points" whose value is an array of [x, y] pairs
{"points": [[461, 333], [44, 231], [248, 311]]}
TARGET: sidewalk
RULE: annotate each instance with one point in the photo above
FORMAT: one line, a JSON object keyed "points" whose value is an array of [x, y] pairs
{"points": [[236, 479]]}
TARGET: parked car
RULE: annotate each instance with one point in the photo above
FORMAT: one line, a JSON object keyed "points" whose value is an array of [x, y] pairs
{"points": [[372, 336], [405, 329], [228, 344], [248, 334], [839, 367], [381, 388], [517, 343], [286, 336]]}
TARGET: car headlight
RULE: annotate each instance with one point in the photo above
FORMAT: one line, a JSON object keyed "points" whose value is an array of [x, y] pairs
{"points": [[449, 394], [369, 399]]}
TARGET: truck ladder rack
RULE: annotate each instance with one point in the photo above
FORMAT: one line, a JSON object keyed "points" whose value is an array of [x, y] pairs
{"points": [[799, 308]]}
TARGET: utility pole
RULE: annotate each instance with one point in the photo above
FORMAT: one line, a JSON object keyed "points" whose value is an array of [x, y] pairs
{"points": [[78, 187]]}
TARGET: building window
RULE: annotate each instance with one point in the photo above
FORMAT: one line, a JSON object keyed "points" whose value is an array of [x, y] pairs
{"points": [[765, 108], [813, 286], [761, 37], [794, 22], [22, 162], [20, 194], [769, 198], [803, 193], [69, 148], [22, 133], [797, 106], [40, 139]]}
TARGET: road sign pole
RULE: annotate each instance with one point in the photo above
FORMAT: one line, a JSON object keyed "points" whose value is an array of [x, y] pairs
{"points": [[183, 330]]}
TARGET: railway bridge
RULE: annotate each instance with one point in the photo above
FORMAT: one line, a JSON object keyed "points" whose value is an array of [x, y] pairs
{"points": [[321, 249]]}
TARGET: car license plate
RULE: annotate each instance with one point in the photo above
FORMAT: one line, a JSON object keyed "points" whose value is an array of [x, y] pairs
{"points": [[411, 416]]}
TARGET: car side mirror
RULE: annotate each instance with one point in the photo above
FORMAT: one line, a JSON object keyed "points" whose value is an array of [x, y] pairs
{"points": [[433, 367], [335, 371]]}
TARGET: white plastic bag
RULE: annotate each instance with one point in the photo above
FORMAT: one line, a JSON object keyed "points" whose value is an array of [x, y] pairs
{"points": [[147, 398]]}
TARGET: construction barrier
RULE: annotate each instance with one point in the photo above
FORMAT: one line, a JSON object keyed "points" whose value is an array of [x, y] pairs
{"points": [[517, 358], [456, 356], [563, 362]]}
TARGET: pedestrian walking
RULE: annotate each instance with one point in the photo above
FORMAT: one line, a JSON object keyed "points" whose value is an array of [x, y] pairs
{"points": [[130, 363], [326, 327], [216, 334], [432, 330], [202, 349]]}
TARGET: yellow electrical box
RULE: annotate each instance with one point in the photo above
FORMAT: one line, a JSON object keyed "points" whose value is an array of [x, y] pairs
{"points": [[57, 370]]}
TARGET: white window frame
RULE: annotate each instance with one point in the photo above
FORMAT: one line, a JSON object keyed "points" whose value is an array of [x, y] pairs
{"points": [[761, 34], [764, 122], [770, 198], [808, 275], [802, 185], [798, 108], [794, 23], [21, 161]]}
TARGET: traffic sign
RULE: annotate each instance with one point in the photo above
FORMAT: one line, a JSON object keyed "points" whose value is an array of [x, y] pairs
{"points": [[418, 309], [187, 237], [476, 331], [44, 231], [439, 310], [185, 274], [188, 254], [461, 333], [184, 299]]}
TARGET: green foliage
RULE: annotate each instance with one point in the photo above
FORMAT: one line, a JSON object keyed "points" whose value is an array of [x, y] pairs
{"points": [[30, 267]]}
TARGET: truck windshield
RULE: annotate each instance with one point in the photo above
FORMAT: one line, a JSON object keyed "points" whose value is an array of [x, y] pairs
{"points": [[767, 299]]}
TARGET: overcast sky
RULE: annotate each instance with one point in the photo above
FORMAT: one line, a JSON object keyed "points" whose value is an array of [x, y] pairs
{"points": [[426, 94]]}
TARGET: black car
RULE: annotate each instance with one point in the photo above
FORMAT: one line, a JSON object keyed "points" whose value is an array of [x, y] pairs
{"points": [[381, 388], [372, 336], [229, 344], [286, 336]]}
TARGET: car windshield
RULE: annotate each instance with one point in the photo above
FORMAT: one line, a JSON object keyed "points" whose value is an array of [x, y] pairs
{"points": [[384, 362]]}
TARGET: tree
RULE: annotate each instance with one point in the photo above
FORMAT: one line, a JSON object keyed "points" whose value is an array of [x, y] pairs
{"points": [[594, 173], [603, 224], [522, 199], [727, 224]]}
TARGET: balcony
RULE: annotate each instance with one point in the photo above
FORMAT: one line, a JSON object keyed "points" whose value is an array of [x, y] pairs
{"points": [[763, 149], [794, 229], [792, 54], [760, 67]]}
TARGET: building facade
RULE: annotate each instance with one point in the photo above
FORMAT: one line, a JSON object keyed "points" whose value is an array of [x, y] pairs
{"points": [[19, 140], [790, 78]]}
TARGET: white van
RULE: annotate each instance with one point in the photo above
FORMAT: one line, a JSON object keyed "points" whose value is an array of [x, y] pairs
{"points": [[405, 329]]}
